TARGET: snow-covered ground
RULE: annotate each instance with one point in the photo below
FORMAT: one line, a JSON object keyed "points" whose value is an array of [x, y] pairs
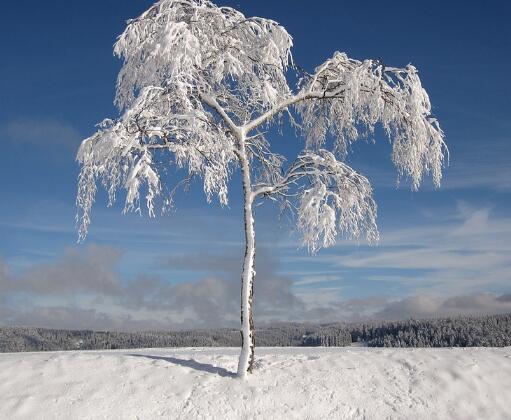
{"points": [[289, 383]]}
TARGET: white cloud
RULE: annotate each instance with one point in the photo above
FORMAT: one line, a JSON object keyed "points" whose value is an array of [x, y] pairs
{"points": [[430, 306], [42, 133], [468, 253], [309, 280], [91, 270]]}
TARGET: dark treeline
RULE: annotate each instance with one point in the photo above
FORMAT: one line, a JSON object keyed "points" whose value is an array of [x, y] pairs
{"points": [[492, 331], [15, 339], [483, 331]]}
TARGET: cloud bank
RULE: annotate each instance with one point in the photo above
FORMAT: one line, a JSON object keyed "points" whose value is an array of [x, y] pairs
{"points": [[82, 289]]}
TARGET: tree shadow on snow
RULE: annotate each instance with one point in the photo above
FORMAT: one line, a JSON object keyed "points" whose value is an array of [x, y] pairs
{"points": [[190, 363]]}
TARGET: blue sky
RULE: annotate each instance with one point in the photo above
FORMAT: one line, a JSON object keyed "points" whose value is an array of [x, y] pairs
{"points": [[442, 252]]}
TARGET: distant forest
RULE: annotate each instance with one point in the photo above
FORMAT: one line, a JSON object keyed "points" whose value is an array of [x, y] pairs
{"points": [[484, 331]]}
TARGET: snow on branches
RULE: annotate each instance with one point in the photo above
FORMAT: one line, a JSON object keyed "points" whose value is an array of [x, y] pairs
{"points": [[192, 46], [177, 55], [338, 200], [331, 198], [349, 94], [197, 85]]}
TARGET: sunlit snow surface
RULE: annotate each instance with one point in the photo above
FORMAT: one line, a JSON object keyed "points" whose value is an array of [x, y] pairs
{"points": [[301, 383]]}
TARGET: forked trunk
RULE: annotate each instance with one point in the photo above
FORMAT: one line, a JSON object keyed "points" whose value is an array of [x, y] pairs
{"points": [[246, 360]]}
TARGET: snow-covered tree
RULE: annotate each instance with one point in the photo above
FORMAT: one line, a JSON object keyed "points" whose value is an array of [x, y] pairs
{"points": [[199, 89]]}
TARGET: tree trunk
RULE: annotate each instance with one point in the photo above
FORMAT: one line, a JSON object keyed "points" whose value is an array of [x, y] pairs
{"points": [[246, 360]]}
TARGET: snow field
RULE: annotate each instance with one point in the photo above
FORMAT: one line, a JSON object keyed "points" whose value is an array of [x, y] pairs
{"points": [[288, 383]]}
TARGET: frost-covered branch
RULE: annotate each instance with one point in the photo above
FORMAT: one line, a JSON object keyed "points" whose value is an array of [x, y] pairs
{"points": [[192, 72], [127, 153], [238, 61], [332, 198], [266, 164], [209, 100], [359, 94]]}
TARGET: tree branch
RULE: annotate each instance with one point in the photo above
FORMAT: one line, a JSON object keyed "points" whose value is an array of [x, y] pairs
{"points": [[212, 102], [288, 102]]}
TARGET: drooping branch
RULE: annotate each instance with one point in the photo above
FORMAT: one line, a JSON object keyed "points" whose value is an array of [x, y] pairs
{"points": [[373, 93], [122, 153], [266, 164], [332, 199]]}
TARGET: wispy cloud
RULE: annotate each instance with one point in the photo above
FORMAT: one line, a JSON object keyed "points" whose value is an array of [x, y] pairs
{"points": [[469, 252], [473, 163], [480, 164], [41, 133]]}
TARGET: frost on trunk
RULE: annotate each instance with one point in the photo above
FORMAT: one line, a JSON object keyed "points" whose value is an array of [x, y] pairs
{"points": [[246, 360], [199, 89]]}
